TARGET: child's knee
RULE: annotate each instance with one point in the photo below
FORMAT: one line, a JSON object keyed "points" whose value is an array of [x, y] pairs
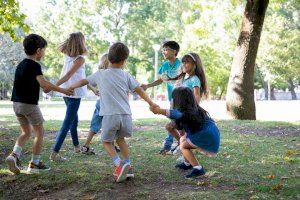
{"points": [[169, 127]]}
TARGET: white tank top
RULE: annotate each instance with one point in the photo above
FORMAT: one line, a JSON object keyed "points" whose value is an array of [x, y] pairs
{"points": [[77, 76]]}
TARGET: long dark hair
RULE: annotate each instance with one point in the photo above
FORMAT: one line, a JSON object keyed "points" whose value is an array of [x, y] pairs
{"points": [[193, 114], [198, 71]]}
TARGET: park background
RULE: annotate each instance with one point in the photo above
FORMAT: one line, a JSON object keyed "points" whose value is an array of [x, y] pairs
{"points": [[258, 159]]}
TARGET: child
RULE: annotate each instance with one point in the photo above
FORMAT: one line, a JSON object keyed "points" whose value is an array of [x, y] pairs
{"points": [[193, 77], [169, 68], [25, 96], [73, 70], [114, 84], [201, 131], [96, 121]]}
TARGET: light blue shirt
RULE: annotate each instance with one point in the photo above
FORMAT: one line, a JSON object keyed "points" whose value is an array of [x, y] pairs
{"points": [[191, 82], [171, 71]]}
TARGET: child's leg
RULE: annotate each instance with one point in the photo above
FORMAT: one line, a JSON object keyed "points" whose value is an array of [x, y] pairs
{"points": [[189, 156], [123, 147], [110, 149], [171, 128], [89, 138], [168, 142], [73, 130], [22, 139], [38, 140], [12, 160], [71, 112]]}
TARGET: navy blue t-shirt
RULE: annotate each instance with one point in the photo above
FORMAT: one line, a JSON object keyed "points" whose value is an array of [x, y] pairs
{"points": [[26, 87]]}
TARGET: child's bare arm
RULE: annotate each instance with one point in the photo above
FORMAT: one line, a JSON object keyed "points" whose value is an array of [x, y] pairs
{"points": [[154, 83], [47, 86], [197, 94], [158, 110], [139, 90], [94, 90], [77, 63], [80, 83]]}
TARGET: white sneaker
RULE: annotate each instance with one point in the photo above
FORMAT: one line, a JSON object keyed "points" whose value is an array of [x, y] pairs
{"points": [[14, 164], [176, 151], [57, 157], [180, 159]]}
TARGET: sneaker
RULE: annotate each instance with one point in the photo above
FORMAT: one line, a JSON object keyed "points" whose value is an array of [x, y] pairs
{"points": [[34, 169], [87, 150], [121, 171], [183, 166], [130, 173], [165, 150], [57, 157], [180, 159], [195, 173], [14, 163], [117, 149], [176, 150], [77, 149]]}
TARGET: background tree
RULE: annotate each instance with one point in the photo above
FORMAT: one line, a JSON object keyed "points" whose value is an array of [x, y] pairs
{"points": [[11, 53], [280, 50], [240, 90]]}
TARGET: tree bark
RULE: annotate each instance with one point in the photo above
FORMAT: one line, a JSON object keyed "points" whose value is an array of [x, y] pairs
{"points": [[273, 97], [292, 89], [240, 102]]}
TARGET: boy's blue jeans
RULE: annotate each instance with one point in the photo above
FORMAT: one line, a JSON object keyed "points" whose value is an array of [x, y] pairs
{"points": [[168, 142], [70, 123]]}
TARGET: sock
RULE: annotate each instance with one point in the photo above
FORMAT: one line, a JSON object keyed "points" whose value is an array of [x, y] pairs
{"points": [[35, 159], [127, 161], [17, 150], [186, 163], [116, 160], [199, 167]]}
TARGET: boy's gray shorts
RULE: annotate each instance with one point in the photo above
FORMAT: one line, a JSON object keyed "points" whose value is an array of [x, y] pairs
{"points": [[116, 126]]}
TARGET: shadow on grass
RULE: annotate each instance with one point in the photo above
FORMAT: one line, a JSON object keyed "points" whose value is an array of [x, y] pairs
{"points": [[253, 162]]}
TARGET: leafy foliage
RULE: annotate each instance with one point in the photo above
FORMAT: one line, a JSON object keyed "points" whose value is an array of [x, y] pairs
{"points": [[11, 19]]}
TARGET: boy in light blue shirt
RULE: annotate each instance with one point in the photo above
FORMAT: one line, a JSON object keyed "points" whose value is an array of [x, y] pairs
{"points": [[169, 69]]}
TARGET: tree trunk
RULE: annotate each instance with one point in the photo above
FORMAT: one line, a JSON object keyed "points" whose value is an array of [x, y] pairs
{"points": [[273, 93], [292, 89], [240, 90]]}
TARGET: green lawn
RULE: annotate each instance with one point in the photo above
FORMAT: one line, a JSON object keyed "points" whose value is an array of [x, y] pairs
{"points": [[257, 160]]}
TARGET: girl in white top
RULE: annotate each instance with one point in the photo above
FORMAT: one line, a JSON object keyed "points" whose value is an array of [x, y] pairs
{"points": [[73, 70]]}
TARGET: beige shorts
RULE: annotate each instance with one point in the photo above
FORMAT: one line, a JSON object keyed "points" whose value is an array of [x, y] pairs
{"points": [[28, 113]]}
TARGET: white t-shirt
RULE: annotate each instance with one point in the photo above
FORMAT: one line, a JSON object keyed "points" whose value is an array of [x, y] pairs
{"points": [[77, 76], [114, 85]]}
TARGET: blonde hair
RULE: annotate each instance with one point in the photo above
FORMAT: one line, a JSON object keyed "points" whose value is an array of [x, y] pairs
{"points": [[103, 61], [74, 45]]}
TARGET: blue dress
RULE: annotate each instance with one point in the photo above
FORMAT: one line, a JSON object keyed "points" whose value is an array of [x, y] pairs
{"points": [[206, 136]]}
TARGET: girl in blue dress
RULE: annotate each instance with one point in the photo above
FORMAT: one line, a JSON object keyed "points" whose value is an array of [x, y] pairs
{"points": [[200, 131]]}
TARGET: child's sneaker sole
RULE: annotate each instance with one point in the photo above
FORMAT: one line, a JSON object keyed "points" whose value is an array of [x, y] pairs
{"points": [[12, 165]]}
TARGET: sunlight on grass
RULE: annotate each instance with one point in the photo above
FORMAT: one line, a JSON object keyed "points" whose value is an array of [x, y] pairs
{"points": [[247, 167]]}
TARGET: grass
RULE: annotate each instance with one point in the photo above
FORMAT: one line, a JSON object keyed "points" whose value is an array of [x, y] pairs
{"points": [[256, 161]]}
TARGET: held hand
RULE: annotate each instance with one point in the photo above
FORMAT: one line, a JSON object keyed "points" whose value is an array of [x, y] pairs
{"points": [[68, 91], [155, 108], [96, 92], [144, 86], [47, 91]]}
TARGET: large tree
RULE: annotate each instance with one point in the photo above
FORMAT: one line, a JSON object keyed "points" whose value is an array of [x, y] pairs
{"points": [[240, 90]]}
